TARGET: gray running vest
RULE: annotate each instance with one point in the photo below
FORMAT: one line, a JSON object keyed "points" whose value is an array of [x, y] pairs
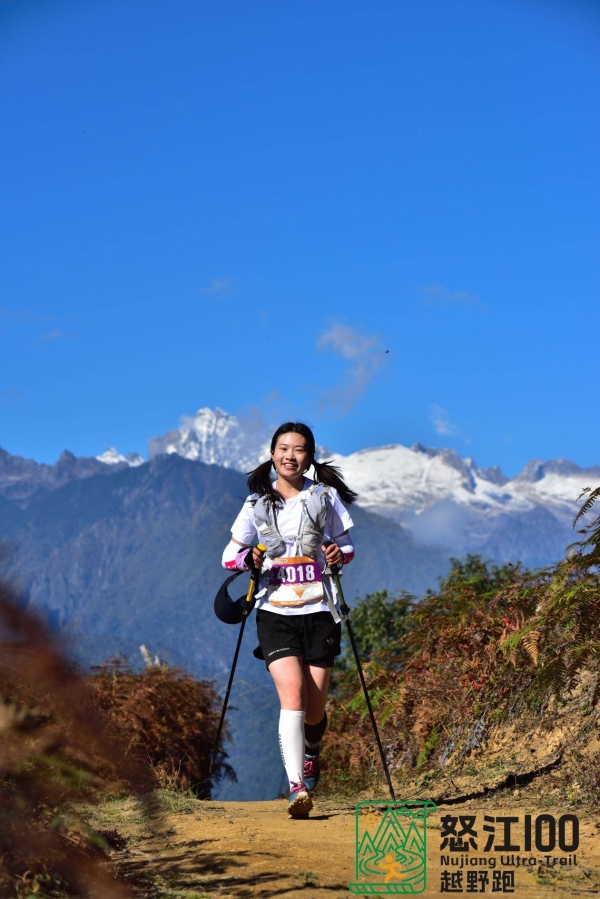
{"points": [[309, 539]]}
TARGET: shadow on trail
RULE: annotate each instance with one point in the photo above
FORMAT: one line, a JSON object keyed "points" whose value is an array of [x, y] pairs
{"points": [[182, 869]]}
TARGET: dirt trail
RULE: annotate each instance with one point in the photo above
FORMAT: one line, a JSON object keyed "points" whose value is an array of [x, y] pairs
{"points": [[190, 849], [238, 849]]}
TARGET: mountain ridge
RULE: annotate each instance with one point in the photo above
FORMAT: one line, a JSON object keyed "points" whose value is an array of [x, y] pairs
{"points": [[443, 499]]}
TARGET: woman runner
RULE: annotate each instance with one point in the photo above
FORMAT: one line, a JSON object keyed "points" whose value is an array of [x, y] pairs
{"points": [[304, 525]]}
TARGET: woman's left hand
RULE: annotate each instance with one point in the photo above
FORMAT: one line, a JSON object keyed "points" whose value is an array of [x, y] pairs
{"points": [[333, 554]]}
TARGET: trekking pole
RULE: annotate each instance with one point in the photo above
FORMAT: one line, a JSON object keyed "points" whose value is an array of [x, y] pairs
{"points": [[247, 607], [335, 573]]}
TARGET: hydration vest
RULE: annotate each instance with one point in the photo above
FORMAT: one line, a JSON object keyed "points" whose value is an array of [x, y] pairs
{"points": [[309, 539]]}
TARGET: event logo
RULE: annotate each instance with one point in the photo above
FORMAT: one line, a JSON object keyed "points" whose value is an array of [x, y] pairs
{"points": [[481, 854], [478, 852], [391, 847]]}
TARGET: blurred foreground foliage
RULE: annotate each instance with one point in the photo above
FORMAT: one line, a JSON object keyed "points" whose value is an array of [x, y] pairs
{"points": [[493, 644], [55, 751], [68, 741]]}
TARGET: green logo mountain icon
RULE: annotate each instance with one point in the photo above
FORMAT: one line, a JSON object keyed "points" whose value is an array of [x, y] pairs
{"points": [[391, 847]]}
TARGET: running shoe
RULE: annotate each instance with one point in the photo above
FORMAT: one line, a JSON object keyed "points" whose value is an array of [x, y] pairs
{"points": [[312, 770], [300, 803]]}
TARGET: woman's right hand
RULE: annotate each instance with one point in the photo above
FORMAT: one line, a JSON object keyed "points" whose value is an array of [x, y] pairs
{"points": [[258, 557]]}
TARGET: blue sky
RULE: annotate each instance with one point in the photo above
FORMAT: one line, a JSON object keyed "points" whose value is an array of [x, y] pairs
{"points": [[382, 218]]}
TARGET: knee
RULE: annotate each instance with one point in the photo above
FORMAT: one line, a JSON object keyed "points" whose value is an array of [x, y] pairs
{"points": [[312, 719], [315, 713], [292, 698]]}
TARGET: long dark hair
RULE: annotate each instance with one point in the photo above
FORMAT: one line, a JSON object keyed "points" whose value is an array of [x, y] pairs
{"points": [[259, 480]]}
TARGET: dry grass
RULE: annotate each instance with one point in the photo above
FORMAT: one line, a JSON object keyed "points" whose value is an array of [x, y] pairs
{"points": [[168, 719]]}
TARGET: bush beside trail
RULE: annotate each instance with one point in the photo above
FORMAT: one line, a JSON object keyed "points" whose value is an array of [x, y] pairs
{"points": [[497, 656], [494, 646], [166, 717]]}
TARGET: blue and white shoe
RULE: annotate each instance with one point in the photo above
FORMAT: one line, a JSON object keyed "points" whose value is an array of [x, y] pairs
{"points": [[312, 770]]}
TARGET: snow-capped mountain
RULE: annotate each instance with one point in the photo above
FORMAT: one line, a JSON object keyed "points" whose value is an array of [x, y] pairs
{"points": [[217, 438], [395, 481], [442, 498], [446, 500], [112, 457]]}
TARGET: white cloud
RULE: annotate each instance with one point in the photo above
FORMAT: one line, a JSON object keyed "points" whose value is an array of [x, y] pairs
{"points": [[440, 419], [217, 285], [440, 295], [364, 353]]}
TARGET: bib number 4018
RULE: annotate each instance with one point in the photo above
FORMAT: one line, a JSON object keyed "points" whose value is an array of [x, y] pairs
{"points": [[297, 573]]}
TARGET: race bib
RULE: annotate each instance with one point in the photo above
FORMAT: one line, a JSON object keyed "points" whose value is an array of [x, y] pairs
{"points": [[294, 581]]}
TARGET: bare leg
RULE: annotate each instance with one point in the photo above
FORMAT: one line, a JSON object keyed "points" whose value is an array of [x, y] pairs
{"points": [[300, 687], [316, 682], [289, 681]]}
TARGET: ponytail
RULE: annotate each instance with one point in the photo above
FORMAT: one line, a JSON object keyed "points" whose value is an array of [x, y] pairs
{"points": [[331, 476], [259, 481]]}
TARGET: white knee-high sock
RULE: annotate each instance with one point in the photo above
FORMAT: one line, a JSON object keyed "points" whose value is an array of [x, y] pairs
{"points": [[291, 743]]}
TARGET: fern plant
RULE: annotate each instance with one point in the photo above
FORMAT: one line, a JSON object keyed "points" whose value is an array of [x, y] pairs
{"points": [[568, 621], [590, 547], [492, 644]]}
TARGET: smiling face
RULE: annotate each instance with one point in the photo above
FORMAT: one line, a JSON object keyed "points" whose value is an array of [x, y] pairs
{"points": [[290, 457]]}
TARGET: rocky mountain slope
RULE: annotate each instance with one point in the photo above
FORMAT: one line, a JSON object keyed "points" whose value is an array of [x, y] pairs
{"points": [[138, 555], [21, 478]]}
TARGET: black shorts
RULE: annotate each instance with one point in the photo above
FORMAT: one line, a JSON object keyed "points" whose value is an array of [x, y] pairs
{"points": [[315, 637]]}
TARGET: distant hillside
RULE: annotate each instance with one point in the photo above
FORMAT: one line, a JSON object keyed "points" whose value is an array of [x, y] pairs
{"points": [[135, 558], [120, 552], [137, 555]]}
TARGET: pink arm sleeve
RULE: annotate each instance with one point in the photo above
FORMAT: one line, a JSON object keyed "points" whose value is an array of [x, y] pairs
{"points": [[234, 557]]}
